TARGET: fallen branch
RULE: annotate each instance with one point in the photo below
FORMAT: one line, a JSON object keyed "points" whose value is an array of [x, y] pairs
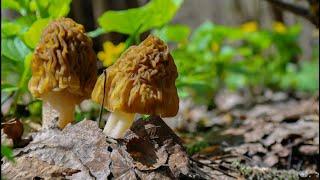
{"points": [[298, 10]]}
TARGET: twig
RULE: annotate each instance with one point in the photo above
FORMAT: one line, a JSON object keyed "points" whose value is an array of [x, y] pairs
{"points": [[289, 157], [7, 98], [214, 168], [300, 11], [104, 90]]}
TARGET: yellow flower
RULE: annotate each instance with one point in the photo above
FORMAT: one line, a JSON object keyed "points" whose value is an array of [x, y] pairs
{"points": [[279, 27], [110, 53], [250, 26], [215, 47]]}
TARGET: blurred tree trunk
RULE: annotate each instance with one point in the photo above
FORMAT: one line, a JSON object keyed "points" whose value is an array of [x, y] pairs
{"points": [[277, 13], [87, 13]]}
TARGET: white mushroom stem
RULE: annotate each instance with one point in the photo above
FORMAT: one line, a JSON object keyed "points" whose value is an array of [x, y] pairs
{"points": [[58, 106], [118, 123]]}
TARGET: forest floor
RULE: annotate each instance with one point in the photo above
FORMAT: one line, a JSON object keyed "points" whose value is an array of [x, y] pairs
{"points": [[274, 130], [261, 137]]}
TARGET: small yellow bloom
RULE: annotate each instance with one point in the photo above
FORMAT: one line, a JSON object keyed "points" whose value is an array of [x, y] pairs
{"points": [[110, 53], [279, 27], [215, 47], [250, 26]]}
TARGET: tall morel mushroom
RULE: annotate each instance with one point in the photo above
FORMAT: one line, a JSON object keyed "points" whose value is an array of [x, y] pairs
{"points": [[141, 81], [64, 71]]}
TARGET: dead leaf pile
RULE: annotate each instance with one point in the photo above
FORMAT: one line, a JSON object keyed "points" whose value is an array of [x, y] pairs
{"points": [[150, 150], [273, 129]]}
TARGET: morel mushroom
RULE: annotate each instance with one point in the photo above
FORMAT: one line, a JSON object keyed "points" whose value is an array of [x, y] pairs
{"points": [[63, 71], [141, 81]]}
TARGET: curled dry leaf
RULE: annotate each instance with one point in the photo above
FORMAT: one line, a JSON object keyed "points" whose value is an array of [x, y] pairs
{"points": [[13, 129]]}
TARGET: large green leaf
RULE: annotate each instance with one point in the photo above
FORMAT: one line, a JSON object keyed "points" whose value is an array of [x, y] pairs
{"points": [[17, 5], [26, 72], [154, 14], [14, 49], [32, 36], [59, 8], [39, 7], [8, 87], [9, 29], [174, 33], [10, 4]]}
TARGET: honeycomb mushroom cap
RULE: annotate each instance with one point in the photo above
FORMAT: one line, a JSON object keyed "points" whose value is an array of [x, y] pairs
{"points": [[63, 60], [141, 81]]}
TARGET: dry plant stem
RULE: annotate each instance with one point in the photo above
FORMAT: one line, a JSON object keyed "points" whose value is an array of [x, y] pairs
{"points": [[117, 124], [58, 106]]}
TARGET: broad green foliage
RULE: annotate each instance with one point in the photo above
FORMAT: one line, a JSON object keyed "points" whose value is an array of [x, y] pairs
{"points": [[154, 14], [20, 36], [209, 58], [219, 56], [173, 33], [14, 49], [32, 36]]}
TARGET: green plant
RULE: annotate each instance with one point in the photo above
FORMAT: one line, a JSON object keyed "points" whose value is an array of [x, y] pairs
{"points": [[21, 34], [134, 22], [19, 38], [216, 57], [7, 152]]}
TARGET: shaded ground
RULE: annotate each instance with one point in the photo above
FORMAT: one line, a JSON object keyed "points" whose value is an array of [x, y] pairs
{"points": [[268, 136], [275, 130]]}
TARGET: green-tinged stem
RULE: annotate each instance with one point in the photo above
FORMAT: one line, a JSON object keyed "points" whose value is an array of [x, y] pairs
{"points": [[58, 106], [118, 123]]}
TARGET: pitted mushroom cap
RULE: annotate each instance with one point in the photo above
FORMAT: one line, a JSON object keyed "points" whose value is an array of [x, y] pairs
{"points": [[63, 60], [141, 81]]}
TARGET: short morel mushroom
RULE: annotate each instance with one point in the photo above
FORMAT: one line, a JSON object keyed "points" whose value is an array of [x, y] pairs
{"points": [[64, 71], [141, 81]]}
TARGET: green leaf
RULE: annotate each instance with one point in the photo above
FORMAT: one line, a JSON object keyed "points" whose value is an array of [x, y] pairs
{"points": [[308, 77], [17, 5], [26, 72], [14, 49], [235, 81], [9, 29], [39, 7], [10, 4], [59, 8], [173, 33], [97, 32], [7, 152], [32, 36], [8, 87], [35, 108], [26, 21], [145, 117], [154, 14], [202, 37]]}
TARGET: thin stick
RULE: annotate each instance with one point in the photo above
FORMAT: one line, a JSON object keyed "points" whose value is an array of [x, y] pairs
{"points": [[7, 98], [213, 168], [300, 11], [104, 91]]}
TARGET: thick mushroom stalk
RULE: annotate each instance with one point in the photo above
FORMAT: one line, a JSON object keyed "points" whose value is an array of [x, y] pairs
{"points": [[53, 109], [63, 71], [141, 81], [118, 123]]}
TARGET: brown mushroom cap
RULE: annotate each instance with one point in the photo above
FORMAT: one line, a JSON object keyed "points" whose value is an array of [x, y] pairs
{"points": [[64, 60], [141, 81]]}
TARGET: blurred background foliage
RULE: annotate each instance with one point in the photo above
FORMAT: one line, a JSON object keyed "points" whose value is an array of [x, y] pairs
{"points": [[209, 57]]}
